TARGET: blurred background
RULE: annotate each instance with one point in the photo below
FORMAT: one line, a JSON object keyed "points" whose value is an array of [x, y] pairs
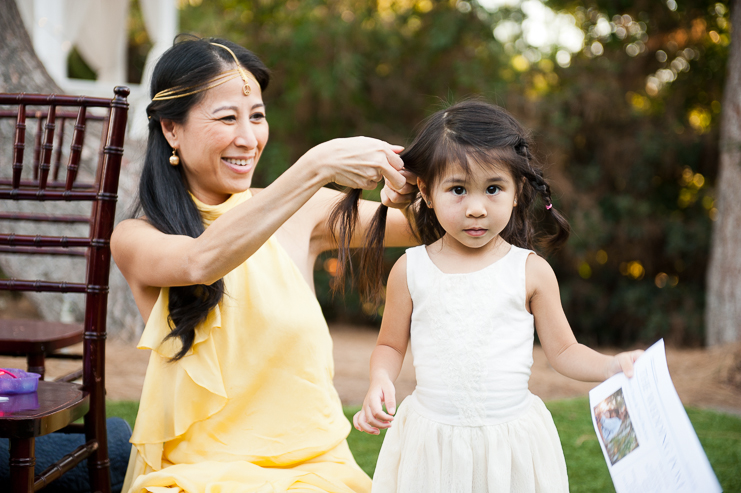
{"points": [[623, 99]]}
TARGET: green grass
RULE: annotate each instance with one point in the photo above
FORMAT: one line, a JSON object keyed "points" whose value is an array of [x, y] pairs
{"points": [[720, 435]]}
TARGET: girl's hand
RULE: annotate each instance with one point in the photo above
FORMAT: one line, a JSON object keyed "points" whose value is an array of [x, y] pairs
{"points": [[401, 198], [623, 362], [357, 162], [371, 416]]}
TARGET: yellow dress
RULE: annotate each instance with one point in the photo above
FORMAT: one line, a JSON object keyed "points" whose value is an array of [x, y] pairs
{"points": [[252, 406]]}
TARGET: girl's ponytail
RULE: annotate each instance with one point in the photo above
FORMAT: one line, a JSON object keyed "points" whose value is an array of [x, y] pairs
{"points": [[342, 223]]}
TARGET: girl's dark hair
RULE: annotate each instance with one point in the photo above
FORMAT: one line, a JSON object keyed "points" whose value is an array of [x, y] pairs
{"points": [[163, 191], [470, 131]]}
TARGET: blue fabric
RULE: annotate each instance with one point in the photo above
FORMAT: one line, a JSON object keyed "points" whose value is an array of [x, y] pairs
{"points": [[51, 448]]}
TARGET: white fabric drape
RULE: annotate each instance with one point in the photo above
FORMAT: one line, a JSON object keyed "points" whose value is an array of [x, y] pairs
{"points": [[161, 23], [99, 31], [102, 39], [53, 26], [160, 20]]}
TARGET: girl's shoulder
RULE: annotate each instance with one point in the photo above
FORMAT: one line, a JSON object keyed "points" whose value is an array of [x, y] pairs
{"points": [[415, 251], [539, 274], [415, 259]]}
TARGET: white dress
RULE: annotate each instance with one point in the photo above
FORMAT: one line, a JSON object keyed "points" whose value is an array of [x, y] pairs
{"points": [[471, 425]]}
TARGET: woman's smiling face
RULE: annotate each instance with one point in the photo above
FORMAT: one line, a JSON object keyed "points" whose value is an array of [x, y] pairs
{"points": [[221, 141]]}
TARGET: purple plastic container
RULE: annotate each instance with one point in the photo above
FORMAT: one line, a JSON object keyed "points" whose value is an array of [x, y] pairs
{"points": [[15, 381]]}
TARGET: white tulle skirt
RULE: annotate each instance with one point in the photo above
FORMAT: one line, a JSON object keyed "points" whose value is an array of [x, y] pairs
{"points": [[520, 456]]}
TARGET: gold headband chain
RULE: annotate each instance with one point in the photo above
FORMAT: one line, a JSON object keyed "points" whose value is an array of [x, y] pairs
{"points": [[180, 92]]}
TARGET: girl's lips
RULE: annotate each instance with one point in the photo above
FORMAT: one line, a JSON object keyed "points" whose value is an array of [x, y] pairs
{"points": [[475, 232]]}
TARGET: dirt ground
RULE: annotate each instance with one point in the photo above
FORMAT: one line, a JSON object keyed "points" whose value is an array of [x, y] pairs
{"points": [[705, 378]]}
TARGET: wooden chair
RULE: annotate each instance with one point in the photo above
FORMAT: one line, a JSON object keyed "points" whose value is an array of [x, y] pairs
{"points": [[59, 403]]}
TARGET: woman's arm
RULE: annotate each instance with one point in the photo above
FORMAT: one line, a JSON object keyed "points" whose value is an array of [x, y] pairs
{"points": [[556, 337], [148, 257], [389, 353]]}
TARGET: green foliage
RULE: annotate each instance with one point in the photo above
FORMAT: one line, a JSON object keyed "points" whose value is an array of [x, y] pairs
{"points": [[585, 463], [139, 44], [365, 447], [77, 68], [631, 153], [641, 163], [123, 409]]}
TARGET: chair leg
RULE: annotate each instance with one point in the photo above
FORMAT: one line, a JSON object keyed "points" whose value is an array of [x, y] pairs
{"points": [[22, 462], [99, 464], [37, 363]]}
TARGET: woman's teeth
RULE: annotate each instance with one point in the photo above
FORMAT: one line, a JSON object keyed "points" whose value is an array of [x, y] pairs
{"points": [[238, 162]]}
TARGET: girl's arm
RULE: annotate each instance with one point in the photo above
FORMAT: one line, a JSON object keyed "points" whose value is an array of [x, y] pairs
{"points": [[388, 355], [559, 344], [150, 258]]}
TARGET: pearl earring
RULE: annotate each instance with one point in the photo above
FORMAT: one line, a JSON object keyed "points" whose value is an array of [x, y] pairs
{"points": [[174, 159], [515, 202]]}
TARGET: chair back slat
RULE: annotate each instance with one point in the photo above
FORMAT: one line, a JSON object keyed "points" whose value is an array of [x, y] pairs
{"points": [[47, 147], [45, 251], [50, 185], [76, 149], [19, 145], [61, 252], [60, 114], [65, 195], [39, 241], [58, 150], [48, 286], [25, 216], [37, 143]]}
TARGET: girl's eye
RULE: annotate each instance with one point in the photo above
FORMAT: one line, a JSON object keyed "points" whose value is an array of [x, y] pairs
{"points": [[229, 119], [258, 116], [493, 189], [458, 190]]}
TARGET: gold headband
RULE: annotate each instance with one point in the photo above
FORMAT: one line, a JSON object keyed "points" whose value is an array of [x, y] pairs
{"points": [[180, 92]]}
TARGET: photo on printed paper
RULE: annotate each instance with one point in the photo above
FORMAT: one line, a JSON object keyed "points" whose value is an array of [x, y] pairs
{"points": [[615, 429]]}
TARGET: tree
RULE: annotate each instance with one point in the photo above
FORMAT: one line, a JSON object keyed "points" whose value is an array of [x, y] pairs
{"points": [[627, 126], [20, 68], [723, 314]]}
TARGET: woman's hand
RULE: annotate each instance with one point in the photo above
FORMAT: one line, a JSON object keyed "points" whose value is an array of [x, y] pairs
{"points": [[623, 362], [402, 197], [371, 416], [357, 162]]}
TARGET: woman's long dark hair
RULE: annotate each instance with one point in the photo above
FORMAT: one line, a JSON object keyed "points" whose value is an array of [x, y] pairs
{"points": [[470, 131], [163, 191]]}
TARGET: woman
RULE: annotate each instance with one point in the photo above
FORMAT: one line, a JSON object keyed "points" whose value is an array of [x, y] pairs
{"points": [[238, 394]]}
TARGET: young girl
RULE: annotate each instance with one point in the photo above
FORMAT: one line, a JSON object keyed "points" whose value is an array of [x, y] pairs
{"points": [[469, 299]]}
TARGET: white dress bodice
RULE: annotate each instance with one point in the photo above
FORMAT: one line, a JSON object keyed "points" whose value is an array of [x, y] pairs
{"points": [[472, 340]]}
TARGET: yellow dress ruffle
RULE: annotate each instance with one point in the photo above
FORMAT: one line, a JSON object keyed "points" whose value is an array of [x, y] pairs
{"points": [[251, 407]]}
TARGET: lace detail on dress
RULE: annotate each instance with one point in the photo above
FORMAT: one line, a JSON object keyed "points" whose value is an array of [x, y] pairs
{"points": [[462, 336]]}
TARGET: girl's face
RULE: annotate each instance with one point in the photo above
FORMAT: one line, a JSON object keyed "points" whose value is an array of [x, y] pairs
{"points": [[221, 141], [474, 207]]}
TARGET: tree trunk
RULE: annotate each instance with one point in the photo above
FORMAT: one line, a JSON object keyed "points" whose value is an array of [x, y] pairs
{"points": [[723, 307], [20, 68]]}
